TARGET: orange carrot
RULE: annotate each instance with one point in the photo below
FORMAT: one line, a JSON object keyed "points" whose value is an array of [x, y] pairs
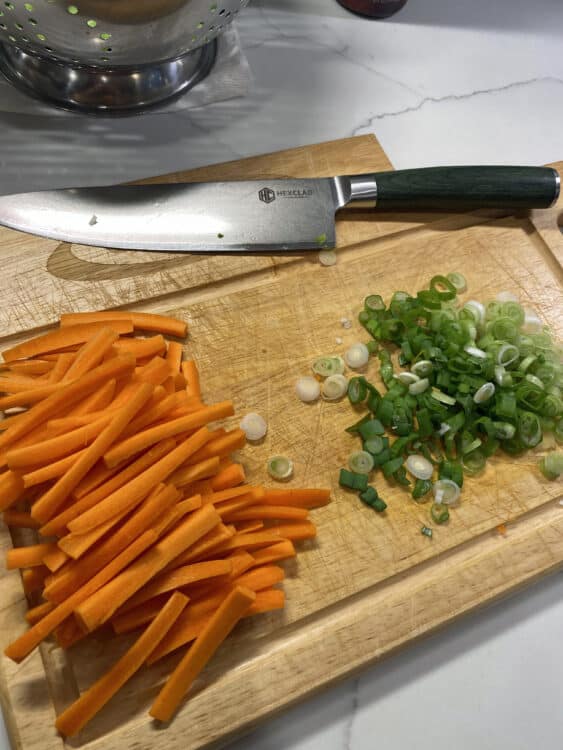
{"points": [[62, 366], [175, 579], [206, 546], [295, 531], [141, 321], [33, 579], [28, 557], [185, 476], [69, 632], [279, 512], [189, 626], [19, 520], [139, 442], [44, 509], [221, 446], [229, 477], [24, 645], [101, 605], [29, 397], [297, 498], [230, 493], [62, 338], [238, 503], [65, 397], [280, 551], [140, 348], [115, 482], [31, 367], [127, 496], [76, 716], [156, 412], [11, 489], [51, 470], [55, 559], [18, 383], [174, 356], [248, 541], [99, 399], [91, 353], [191, 373], [77, 573], [207, 643], [246, 527], [37, 613], [155, 372]]}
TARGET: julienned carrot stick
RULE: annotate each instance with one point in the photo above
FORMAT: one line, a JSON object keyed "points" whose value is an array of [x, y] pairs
{"points": [[174, 356], [37, 613], [230, 493], [65, 397], [150, 347], [30, 397], [204, 598], [100, 399], [297, 498], [25, 644], [297, 531], [213, 635], [221, 446], [249, 541], [31, 367], [62, 338], [115, 482], [91, 353], [19, 520], [189, 626], [55, 559], [139, 487], [99, 475], [90, 702], [278, 513], [11, 489], [245, 527], [191, 373], [28, 557], [137, 443], [51, 470], [141, 321], [175, 579], [280, 551], [33, 579], [176, 512], [62, 366], [77, 573], [155, 372], [101, 605], [46, 507], [162, 409], [186, 475], [237, 503], [230, 477], [206, 546], [69, 632], [19, 383]]}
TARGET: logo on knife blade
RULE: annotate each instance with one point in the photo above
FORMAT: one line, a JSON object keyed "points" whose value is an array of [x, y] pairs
{"points": [[267, 195]]}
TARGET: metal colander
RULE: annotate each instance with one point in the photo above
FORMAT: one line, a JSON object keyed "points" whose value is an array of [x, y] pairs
{"points": [[110, 55]]}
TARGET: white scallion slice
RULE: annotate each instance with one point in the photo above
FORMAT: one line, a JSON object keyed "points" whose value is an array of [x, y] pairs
{"points": [[308, 389], [474, 351], [507, 354], [254, 426], [458, 281], [419, 467], [443, 429], [407, 378], [334, 387], [532, 322], [357, 356], [419, 387], [339, 364], [442, 397], [325, 366], [534, 380], [327, 258], [506, 296], [477, 310], [361, 462], [485, 392], [280, 467], [446, 491], [503, 378], [422, 368]]}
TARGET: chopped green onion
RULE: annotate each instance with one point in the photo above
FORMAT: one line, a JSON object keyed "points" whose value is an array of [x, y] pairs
{"points": [[357, 356], [422, 368], [458, 281], [419, 387], [474, 462], [502, 377], [527, 362], [442, 397], [421, 488], [504, 430], [474, 351], [532, 323], [361, 462], [439, 513], [534, 380], [426, 531], [453, 471], [254, 426], [374, 303], [280, 467], [390, 467], [371, 498], [552, 465], [357, 390], [407, 378], [374, 445], [419, 467], [326, 366], [476, 310], [529, 429], [558, 431], [334, 387], [446, 491], [485, 392], [352, 480], [513, 311], [507, 354], [371, 428]]}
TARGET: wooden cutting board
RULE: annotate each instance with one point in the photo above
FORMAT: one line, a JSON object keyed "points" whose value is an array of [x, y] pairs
{"points": [[369, 584]]}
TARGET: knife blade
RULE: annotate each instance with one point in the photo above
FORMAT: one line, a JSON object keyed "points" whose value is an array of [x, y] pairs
{"points": [[268, 215]]}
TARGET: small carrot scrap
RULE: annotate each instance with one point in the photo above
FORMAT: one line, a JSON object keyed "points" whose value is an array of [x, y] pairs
{"points": [[217, 629], [191, 373], [28, 557], [141, 321], [174, 356], [37, 613], [280, 551], [230, 477], [74, 718]]}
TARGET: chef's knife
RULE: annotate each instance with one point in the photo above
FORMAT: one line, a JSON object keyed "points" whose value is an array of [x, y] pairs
{"points": [[264, 215]]}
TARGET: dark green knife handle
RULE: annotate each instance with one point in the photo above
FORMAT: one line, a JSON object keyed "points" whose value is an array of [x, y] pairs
{"points": [[467, 188]]}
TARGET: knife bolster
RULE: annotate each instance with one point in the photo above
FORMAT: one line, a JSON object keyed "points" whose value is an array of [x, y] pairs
{"points": [[363, 191]]}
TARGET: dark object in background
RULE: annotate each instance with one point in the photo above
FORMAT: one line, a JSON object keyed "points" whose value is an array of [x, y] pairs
{"points": [[373, 8]]}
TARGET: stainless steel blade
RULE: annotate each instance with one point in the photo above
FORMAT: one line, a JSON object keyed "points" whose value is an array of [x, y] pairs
{"points": [[215, 217]]}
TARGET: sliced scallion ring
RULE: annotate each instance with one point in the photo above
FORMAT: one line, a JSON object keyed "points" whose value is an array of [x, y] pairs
{"points": [[474, 351], [552, 465], [422, 368], [442, 397], [534, 380], [361, 462], [507, 354], [502, 377], [280, 467], [477, 310], [357, 356], [419, 467], [484, 393], [325, 366], [419, 387], [308, 389], [458, 281], [254, 426], [446, 491], [334, 387], [407, 378]]}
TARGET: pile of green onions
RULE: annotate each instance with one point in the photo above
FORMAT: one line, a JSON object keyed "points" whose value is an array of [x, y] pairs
{"points": [[472, 380]]}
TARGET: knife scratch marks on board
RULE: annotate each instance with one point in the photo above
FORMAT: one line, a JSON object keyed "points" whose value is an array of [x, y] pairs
{"points": [[64, 264]]}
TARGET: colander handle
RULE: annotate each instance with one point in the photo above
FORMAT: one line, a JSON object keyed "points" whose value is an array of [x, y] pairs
{"points": [[461, 188]]}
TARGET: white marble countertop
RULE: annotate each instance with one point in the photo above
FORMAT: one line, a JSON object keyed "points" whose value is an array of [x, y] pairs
{"points": [[444, 81]]}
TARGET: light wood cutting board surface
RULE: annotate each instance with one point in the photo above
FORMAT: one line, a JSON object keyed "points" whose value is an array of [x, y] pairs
{"points": [[369, 584]]}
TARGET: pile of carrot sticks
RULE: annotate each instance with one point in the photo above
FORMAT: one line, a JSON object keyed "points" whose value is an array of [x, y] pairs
{"points": [[142, 521]]}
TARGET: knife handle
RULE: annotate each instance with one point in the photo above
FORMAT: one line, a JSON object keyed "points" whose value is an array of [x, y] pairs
{"points": [[459, 188]]}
